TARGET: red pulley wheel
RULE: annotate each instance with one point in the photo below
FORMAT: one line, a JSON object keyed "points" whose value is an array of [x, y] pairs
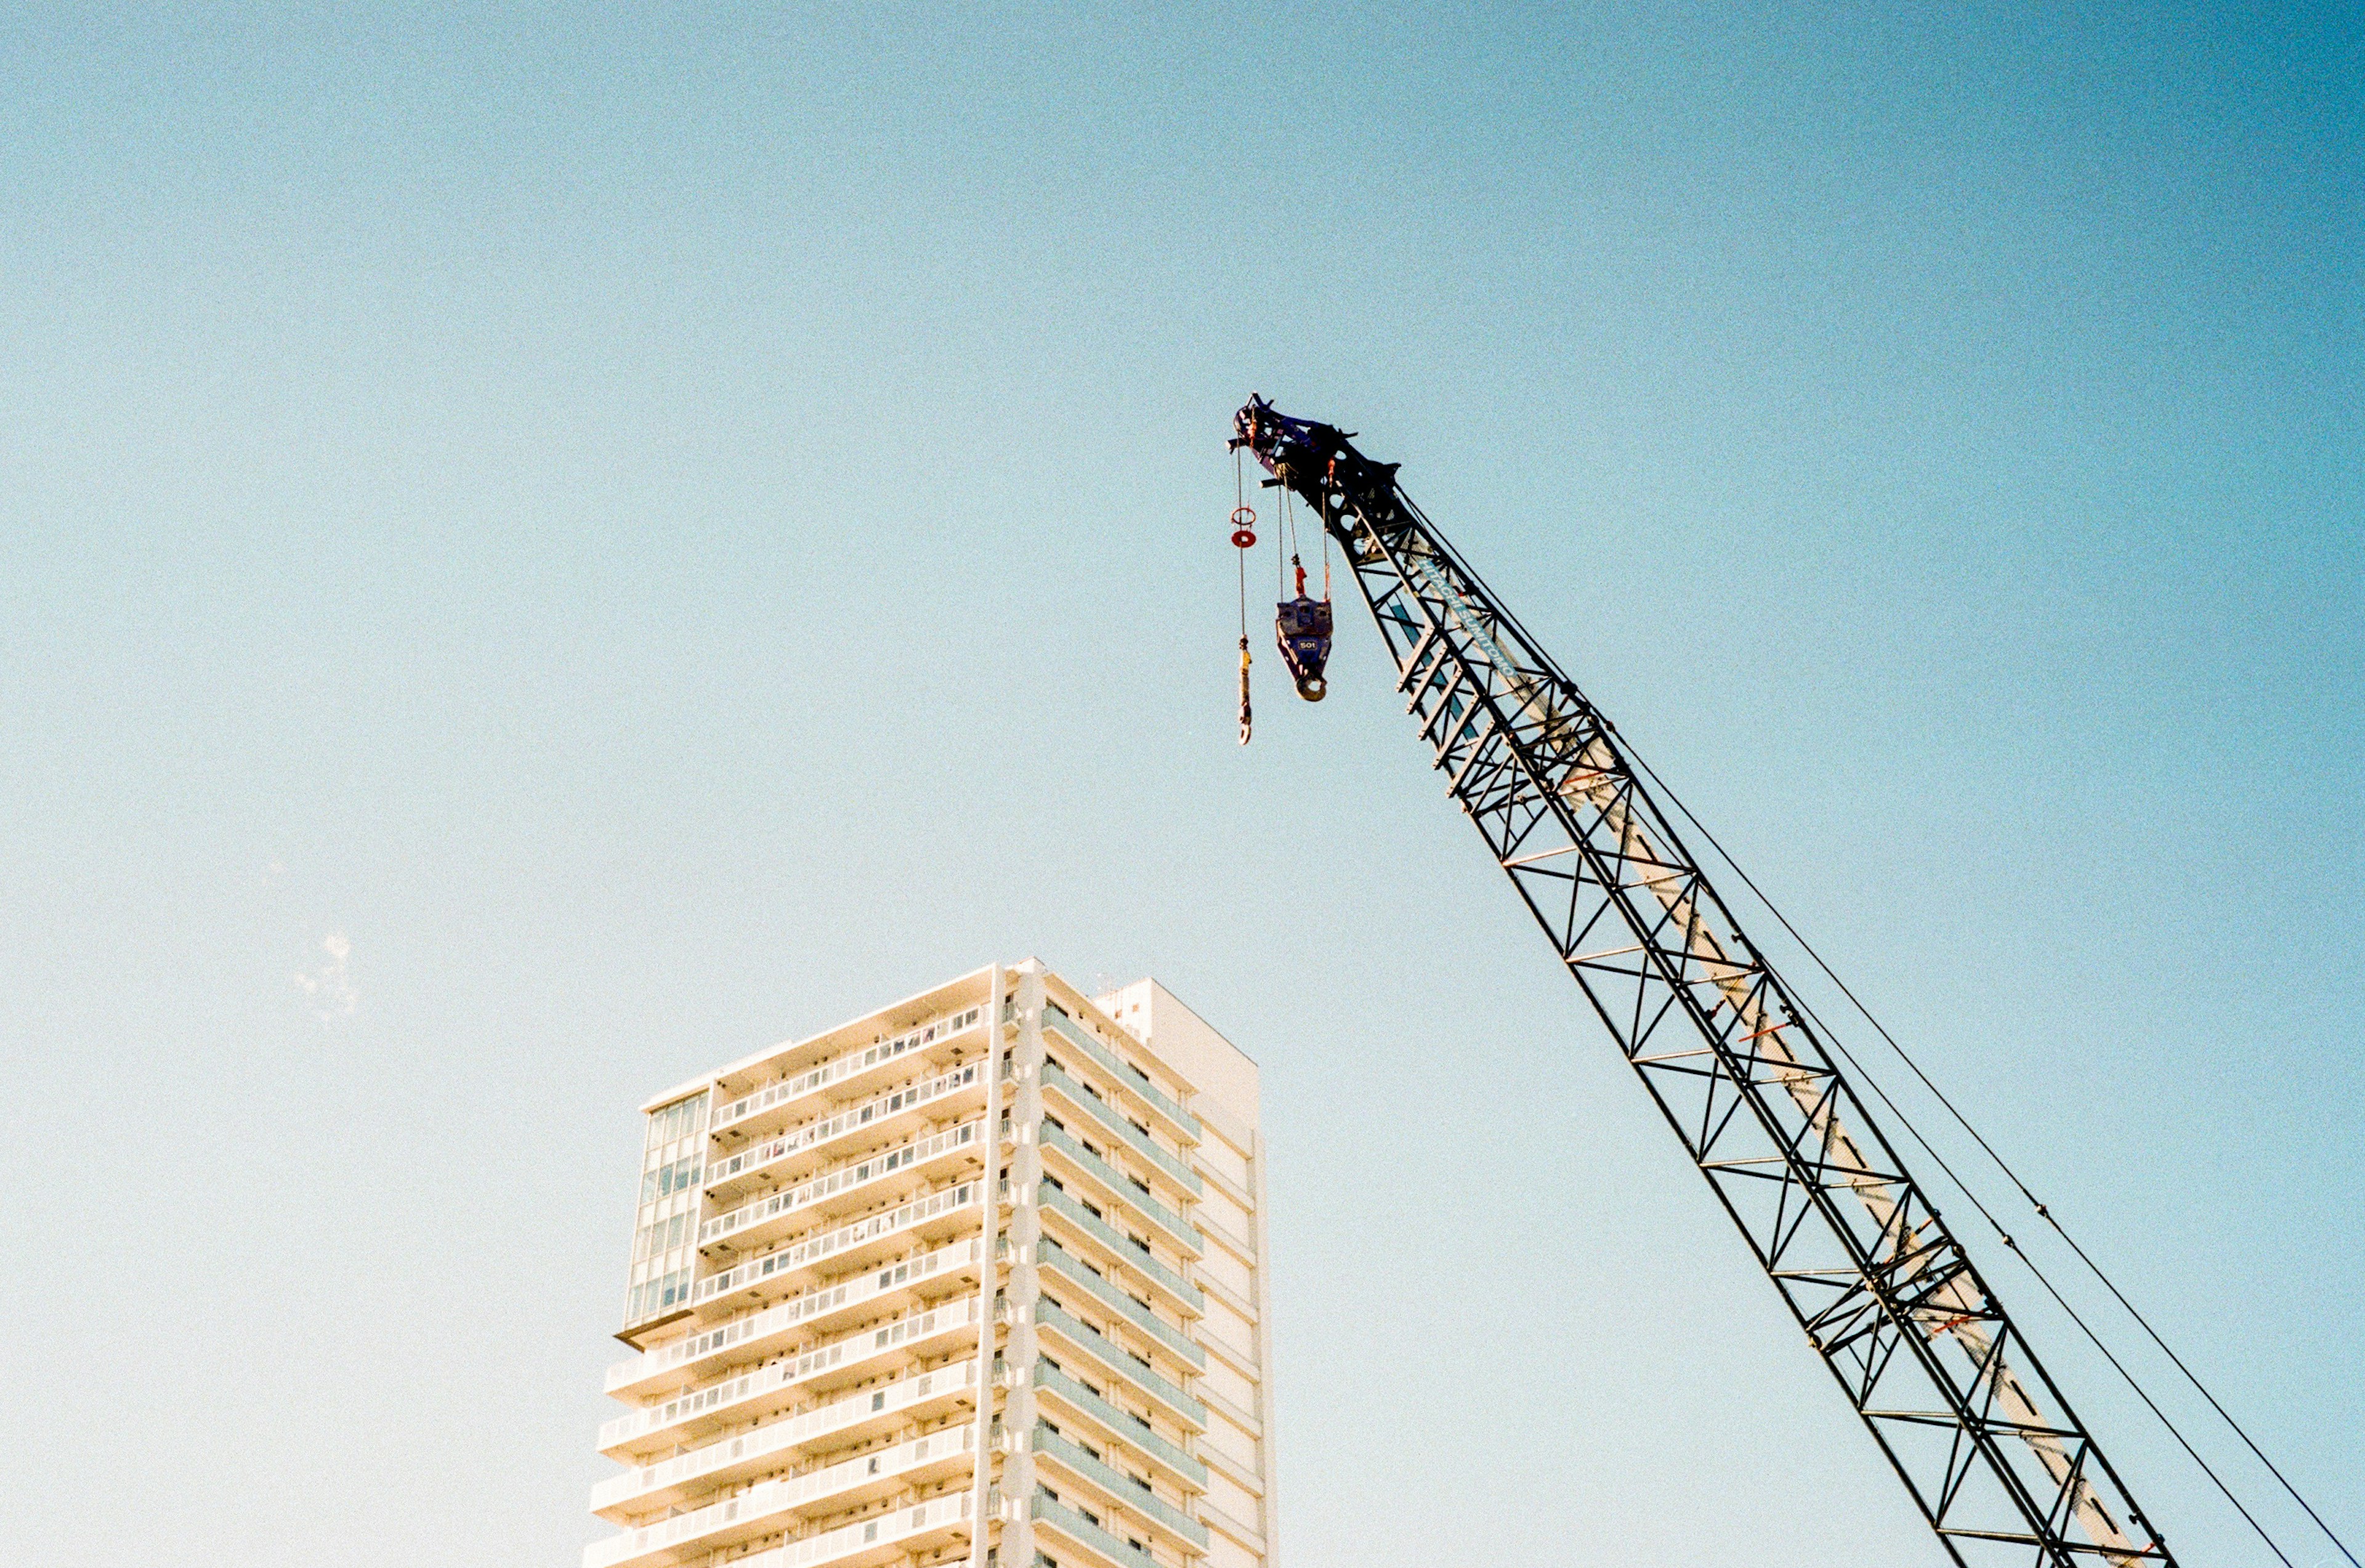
{"points": [[1244, 527]]}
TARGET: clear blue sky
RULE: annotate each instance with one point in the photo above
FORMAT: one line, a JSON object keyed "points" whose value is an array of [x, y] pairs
{"points": [[659, 534]]}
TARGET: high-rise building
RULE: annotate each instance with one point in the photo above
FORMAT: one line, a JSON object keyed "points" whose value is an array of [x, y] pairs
{"points": [[978, 1278]]}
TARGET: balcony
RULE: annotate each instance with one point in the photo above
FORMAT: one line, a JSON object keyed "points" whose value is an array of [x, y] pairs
{"points": [[887, 1113], [1122, 1424], [929, 1157], [1114, 1183], [940, 1330], [1179, 1291], [1112, 1358], [770, 1505], [1129, 1079], [835, 1425], [851, 1064], [1068, 1266], [1113, 1119], [1122, 1489], [760, 1333], [932, 1216], [1088, 1535], [891, 1538]]}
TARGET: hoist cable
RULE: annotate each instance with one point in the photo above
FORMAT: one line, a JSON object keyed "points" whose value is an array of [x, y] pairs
{"points": [[1288, 542], [1963, 1187], [1864, 1075], [1241, 529], [1324, 521], [1240, 504]]}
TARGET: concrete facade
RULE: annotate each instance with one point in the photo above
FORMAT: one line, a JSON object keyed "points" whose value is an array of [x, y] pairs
{"points": [[977, 1278]]}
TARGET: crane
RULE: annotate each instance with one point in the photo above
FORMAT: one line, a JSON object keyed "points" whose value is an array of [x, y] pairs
{"points": [[1951, 1390]]}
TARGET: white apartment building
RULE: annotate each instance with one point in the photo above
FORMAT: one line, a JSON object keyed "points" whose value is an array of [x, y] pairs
{"points": [[978, 1278]]}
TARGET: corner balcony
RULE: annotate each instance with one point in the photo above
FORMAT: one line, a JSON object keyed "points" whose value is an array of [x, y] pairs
{"points": [[937, 1391], [1076, 1405], [748, 1111], [770, 1390], [1127, 1495], [847, 1188], [1154, 1102], [771, 1505], [1085, 1352], [802, 1150], [1119, 1192], [1081, 1530], [1112, 1297], [760, 1334], [1113, 1121], [1175, 1290], [897, 1537], [936, 1217]]}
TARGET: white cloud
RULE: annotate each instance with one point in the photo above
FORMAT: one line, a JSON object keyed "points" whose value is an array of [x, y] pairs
{"points": [[330, 986]]}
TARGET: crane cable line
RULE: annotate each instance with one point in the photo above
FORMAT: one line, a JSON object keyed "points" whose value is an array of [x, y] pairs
{"points": [[1243, 523], [1867, 1076], [2043, 1212]]}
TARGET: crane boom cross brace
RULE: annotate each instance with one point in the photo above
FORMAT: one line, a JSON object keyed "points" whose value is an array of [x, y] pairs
{"points": [[1983, 1440]]}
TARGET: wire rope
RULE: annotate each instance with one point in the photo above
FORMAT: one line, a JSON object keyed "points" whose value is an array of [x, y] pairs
{"points": [[1241, 553], [1963, 1187]]}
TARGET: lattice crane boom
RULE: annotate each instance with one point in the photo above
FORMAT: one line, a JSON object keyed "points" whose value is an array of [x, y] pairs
{"points": [[1983, 1440]]}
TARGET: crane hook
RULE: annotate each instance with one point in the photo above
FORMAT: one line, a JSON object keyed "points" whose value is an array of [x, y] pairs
{"points": [[1244, 689], [1302, 626]]}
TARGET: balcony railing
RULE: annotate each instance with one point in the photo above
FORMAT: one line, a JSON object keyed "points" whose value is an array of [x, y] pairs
{"points": [[1119, 1485], [1102, 1289], [769, 1498], [845, 1066], [784, 1315], [1112, 1118], [1178, 1230], [748, 1446], [1132, 1077], [1118, 1242], [816, 1248], [873, 1537], [837, 1181], [846, 1121], [1114, 1357], [1059, 1516], [789, 1372], [1125, 1423]]}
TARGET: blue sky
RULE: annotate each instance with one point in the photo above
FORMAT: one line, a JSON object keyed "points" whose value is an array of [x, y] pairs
{"points": [[658, 533]]}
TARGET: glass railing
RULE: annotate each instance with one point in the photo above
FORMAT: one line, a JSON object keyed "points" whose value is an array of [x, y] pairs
{"points": [[1114, 1357], [777, 1496], [1112, 1118], [1126, 1424], [1182, 1233], [816, 1248], [792, 1370], [1061, 1203], [845, 1066], [1119, 1485], [846, 1121], [1058, 1516], [787, 1314], [887, 1529], [1108, 1294], [1126, 1073], [836, 1182], [833, 1417]]}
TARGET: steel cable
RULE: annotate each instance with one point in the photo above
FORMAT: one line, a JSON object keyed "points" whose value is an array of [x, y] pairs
{"points": [[2043, 1213]]}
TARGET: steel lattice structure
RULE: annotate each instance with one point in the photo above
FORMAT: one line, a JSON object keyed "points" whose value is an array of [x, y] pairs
{"points": [[1981, 1437]]}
